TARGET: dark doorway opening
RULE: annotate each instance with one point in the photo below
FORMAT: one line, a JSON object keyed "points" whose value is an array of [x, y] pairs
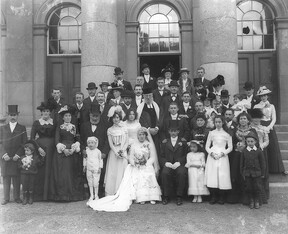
{"points": [[158, 62]]}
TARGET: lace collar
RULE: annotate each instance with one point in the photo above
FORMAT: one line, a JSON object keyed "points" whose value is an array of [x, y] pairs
{"points": [[43, 122]]}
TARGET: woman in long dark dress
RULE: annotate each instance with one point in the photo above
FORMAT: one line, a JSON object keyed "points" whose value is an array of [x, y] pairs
{"points": [[66, 184], [275, 162], [44, 129]]}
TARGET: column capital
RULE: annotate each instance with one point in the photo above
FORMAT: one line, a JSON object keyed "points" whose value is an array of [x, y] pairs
{"points": [[186, 25], [131, 26], [40, 29], [281, 23]]}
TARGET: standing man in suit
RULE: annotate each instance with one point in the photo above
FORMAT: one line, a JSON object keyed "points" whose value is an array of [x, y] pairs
{"points": [[251, 97], [12, 136], [149, 81], [160, 92], [173, 97], [185, 82], [224, 96], [95, 127], [138, 98], [81, 114], [103, 106], [127, 97], [92, 95], [104, 86], [186, 108], [205, 82], [56, 101], [172, 161], [119, 81]]}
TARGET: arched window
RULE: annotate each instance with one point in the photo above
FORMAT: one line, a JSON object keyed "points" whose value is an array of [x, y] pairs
{"points": [[159, 30], [255, 27], [64, 34]]}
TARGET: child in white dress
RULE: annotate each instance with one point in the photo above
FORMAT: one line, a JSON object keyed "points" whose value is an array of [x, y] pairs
{"points": [[92, 165], [196, 174]]}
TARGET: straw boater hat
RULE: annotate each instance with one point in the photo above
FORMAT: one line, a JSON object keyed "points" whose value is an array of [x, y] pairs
{"points": [[263, 90], [184, 69]]}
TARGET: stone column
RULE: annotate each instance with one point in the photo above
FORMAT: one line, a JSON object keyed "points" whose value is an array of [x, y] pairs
{"points": [[282, 57], [186, 28], [99, 41], [218, 41], [2, 78]]}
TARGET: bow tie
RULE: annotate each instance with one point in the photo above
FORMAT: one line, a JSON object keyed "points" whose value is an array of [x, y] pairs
{"points": [[93, 124]]}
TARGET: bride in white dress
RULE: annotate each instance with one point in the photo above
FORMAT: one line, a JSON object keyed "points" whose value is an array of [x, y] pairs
{"points": [[139, 181]]}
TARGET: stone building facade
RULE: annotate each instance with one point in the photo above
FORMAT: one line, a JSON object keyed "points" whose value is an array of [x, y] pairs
{"points": [[68, 43]]}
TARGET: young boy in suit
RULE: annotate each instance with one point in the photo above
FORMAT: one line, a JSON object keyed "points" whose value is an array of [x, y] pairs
{"points": [[173, 159], [12, 136]]}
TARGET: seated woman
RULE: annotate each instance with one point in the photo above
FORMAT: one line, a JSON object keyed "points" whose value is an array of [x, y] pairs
{"points": [[139, 182]]}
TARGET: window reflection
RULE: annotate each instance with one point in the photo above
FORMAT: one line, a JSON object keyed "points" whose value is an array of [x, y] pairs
{"points": [[65, 31], [158, 29], [255, 27]]}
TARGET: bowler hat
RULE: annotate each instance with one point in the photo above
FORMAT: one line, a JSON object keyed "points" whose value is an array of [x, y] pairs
{"points": [[224, 93], [127, 93], [118, 71], [95, 109], [104, 83], [251, 134], [174, 83], [145, 65], [263, 90], [173, 125], [13, 109], [197, 82], [248, 85], [147, 90], [91, 85], [184, 69]]}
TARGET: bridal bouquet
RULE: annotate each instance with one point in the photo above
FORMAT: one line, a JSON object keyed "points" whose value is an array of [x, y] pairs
{"points": [[140, 159]]}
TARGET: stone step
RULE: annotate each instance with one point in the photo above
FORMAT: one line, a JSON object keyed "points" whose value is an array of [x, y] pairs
{"points": [[282, 136], [278, 187], [281, 128], [283, 145], [284, 154], [279, 178]]}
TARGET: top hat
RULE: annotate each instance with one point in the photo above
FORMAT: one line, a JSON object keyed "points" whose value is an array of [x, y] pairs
{"points": [[145, 65], [248, 85], [91, 85], [184, 69], [174, 83], [224, 93], [263, 90], [197, 81], [147, 90], [256, 113], [104, 83], [251, 134], [127, 93], [13, 109], [95, 109], [118, 71], [66, 109], [46, 106], [173, 125], [168, 68]]}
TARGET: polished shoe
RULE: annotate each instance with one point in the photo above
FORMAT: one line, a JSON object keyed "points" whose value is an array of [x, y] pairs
{"points": [[18, 200], [25, 198], [256, 205], [213, 201], [221, 201], [4, 202], [179, 201], [165, 200], [251, 204]]}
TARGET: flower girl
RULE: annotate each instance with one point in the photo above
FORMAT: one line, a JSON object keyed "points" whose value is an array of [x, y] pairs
{"points": [[196, 175]]}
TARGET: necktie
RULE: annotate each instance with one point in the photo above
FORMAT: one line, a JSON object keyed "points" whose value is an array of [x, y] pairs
{"points": [[173, 98]]}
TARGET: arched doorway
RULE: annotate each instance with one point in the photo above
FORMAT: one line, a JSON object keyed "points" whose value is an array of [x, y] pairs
{"points": [[64, 51], [159, 41], [257, 46]]}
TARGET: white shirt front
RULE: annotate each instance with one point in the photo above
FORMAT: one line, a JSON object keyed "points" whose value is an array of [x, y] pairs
{"points": [[249, 148], [93, 127], [138, 100], [79, 106], [186, 106], [174, 141], [92, 98], [12, 126], [147, 78], [174, 117]]}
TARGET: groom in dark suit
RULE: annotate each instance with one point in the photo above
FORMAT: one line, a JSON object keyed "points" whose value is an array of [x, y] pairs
{"points": [[119, 81], [12, 136], [96, 127]]}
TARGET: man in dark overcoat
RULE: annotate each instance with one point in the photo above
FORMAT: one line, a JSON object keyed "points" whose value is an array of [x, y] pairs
{"points": [[12, 136]]}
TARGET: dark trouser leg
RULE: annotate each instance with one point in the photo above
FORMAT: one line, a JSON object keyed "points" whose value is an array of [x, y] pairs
{"points": [[25, 182], [16, 187], [167, 180], [6, 187], [101, 192], [181, 177]]}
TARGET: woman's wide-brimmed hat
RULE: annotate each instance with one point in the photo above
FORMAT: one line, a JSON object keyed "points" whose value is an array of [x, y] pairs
{"points": [[46, 106], [263, 90], [168, 68]]}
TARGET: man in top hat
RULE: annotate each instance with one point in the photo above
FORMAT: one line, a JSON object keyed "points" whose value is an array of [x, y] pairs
{"points": [[160, 92], [205, 82], [119, 81], [173, 97], [149, 81], [250, 96], [148, 114], [96, 127], [224, 96], [172, 162], [104, 86], [200, 91], [127, 97], [12, 136], [92, 88], [185, 83]]}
